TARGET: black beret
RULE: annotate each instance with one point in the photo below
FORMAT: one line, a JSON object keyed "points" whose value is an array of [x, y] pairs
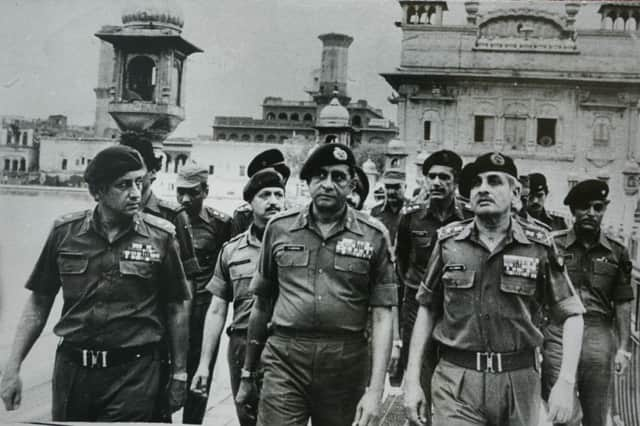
{"points": [[586, 191], [267, 178], [143, 145], [537, 182], [464, 185], [111, 163], [270, 158], [442, 158], [493, 162], [362, 184], [327, 155]]}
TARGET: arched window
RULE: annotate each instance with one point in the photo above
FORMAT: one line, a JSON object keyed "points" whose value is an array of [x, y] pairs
{"points": [[245, 138], [356, 121], [222, 136], [25, 138], [283, 138], [294, 117], [307, 117], [282, 116], [141, 79], [64, 164], [233, 137], [271, 138], [601, 130], [259, 138], [23, 165], [7, 164], [271, 116], [166, 163]]}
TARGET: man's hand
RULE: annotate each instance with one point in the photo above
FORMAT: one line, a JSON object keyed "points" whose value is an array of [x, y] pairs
{"points": [[561, 401], [415, 404], [622, 361], [367, 411], [11, 389], [247, 398], [176, 394], [200, 381], [395, 375]]}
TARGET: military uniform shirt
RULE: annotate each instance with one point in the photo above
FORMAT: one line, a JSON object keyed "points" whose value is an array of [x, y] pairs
{"points": [[485, 301], [556, 223], [236, 266], [390, 219], [114, 294], [211, 229], [176, 214], [417, 234], [325, 284], [601, 274], [242, 218]]}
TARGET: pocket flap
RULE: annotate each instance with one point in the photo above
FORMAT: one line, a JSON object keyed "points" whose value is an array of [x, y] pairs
{"points": [[72, 263], [351, 264], [518, 285], [458, 279], [288, 258], [140, 269], [604, 268]]}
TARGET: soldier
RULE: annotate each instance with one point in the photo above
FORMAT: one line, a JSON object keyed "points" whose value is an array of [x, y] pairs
{"points": [[389, 212], [600, 270], [271, 158], [417, 234], [235, 267], [123, 289], [175, 214], [538, 191], [360, 192], [321, 267], [485, 278], [211, 229]]}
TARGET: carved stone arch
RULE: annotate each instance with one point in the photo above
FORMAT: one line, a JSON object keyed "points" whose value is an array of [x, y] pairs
{"points": [[484, 108], [516, 109], [547, 110]]}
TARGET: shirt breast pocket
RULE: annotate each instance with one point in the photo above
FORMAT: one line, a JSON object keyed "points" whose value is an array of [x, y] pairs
{"points": [[604, 275], [458, 293], [351, 264], [518, 293], [72, 268], [136, 269], [292, 264]]}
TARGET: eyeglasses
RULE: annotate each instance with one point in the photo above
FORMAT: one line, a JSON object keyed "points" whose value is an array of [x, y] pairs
{"points": [[441, 176]]}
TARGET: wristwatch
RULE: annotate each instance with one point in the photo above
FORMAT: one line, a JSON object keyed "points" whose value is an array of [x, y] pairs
{"points": [[624, 353], [180, 376], [247, 374], [397, 344]]}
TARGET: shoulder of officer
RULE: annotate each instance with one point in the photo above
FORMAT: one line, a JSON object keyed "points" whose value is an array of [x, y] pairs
{"points": [[242, 208], [533, 221], [71, 217], [158, 222], [378, 208], [233, 240], [617, 241], [221, 216], [412, 207], [169, 205], [285, 215], [370, 221], [452, 229], [536, 233]]}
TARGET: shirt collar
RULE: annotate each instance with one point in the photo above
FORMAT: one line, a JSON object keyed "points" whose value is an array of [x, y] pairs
{"points": [[515, 231], [602, 239], [455, 210], [204, 215], [348, 220], [152, 203], [249, 239], [90, 223]]}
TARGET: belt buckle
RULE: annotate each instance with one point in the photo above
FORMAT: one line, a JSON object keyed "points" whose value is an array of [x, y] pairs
{"points": [[93, 359], [490, 367]]}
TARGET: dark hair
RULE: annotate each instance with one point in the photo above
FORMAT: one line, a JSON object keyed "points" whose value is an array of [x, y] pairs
{"points": [[142, 143]]}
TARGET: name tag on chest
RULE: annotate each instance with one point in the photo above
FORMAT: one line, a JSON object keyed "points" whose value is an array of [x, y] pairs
{"points": [[141, 252], [354, 248], [520, 266]]}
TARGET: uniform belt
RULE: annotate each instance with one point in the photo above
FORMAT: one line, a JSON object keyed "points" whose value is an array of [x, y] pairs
{"points": [[317, 334], [489, 362], [105, 358]]}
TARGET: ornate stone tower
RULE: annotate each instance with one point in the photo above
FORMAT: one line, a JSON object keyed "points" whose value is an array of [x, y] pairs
{"points": [[149, 57], [333, 73], [332, 124], [422, 12]]}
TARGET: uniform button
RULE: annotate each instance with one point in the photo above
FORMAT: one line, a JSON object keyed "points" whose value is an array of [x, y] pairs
{"points": [[324, 244], [319, 297], [320, 270], [486, 316]]}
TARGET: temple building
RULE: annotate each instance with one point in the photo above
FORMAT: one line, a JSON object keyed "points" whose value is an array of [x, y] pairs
{"points": [[525, 81], [285, 119]]}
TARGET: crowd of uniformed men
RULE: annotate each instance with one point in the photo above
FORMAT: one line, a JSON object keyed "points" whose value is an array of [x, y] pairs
{"points": [[472, 295]]}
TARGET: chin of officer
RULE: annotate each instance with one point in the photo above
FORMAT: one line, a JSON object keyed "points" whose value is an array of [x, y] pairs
{"points": [[123, 289], [315, 359], [485, 279]]}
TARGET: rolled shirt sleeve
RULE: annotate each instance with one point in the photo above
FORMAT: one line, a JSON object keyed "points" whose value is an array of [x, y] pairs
{"points": [[265, 281], [559, 292], [220, 283], [176, 287], [623, 292], [384, 288], [430, 292], [45, 276]]}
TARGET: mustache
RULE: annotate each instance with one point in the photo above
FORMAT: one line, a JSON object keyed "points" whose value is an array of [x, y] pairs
{"points": [[273, 209]]}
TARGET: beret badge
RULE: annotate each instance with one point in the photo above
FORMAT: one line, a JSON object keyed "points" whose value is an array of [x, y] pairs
{"points": [[339, 154]]}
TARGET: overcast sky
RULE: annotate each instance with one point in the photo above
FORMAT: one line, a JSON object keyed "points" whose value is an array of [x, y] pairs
{"points": [[252, 49]]}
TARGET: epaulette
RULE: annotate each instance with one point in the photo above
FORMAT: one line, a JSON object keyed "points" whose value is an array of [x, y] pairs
{"points": [[175, 207], [71, 217], [219, 215], [454, 228], [286, 213], [530, 220], [245, 207], [559, 233], [536, 233], [410, 208], [376, 208], [373, 222], [158, 222], [614, 239], [232, 239]]}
